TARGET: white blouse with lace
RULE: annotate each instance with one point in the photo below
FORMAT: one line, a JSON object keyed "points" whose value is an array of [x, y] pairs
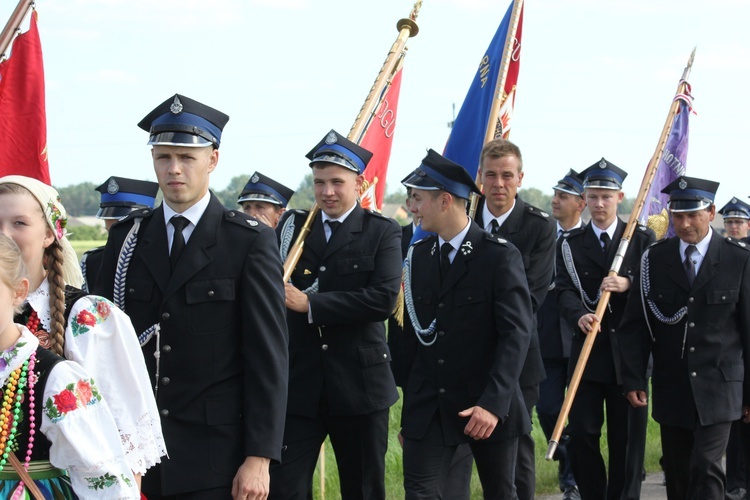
{"points": [[79, 425], [101, 338]]}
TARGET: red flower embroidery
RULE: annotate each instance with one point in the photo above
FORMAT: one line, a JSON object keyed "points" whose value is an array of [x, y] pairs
{"points": [[86, 318], [83, 390], [65, 401], [103, 309]]}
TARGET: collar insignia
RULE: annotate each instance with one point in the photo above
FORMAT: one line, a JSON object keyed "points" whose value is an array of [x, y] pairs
{"points": [[466, 248], [434, 247]]}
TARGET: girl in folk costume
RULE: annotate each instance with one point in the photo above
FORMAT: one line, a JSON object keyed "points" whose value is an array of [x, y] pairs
{"points": [[59, 439], [86, 329]]}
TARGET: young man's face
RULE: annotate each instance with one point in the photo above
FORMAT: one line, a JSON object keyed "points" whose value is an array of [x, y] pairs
{"points": [[501, 178], [336, 188], [602, 205]]}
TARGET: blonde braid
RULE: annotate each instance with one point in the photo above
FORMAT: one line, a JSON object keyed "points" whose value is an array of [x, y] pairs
{"points": [[54, 267]]}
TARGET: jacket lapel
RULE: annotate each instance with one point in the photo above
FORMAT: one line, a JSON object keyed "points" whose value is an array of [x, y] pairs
{"points": [[514, 221], [710, 262], [316, 240], [154, 250], [196, 254], [460, 265], [593, 247], [673, 264], [346, 232]]}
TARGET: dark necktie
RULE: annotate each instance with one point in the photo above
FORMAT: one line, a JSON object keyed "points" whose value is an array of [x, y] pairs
{"points": [[445, 261], [606, 241], [178, 240], [495, 226], [334, 225], [690, 263]]}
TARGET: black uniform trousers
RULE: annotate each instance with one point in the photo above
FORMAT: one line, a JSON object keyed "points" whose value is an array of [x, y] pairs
{"points": [[359, 443], [427, 462], [692, 461]]}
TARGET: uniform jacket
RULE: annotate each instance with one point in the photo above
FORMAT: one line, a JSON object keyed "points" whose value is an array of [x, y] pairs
{"points": [[700, 362], [592, 266], [223, 345], [340, 363], [533, 233], [483, 328], [396, 332], [90, 264]]}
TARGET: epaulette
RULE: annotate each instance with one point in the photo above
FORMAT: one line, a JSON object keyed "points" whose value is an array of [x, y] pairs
{"points": [[375, 213], [531, 209], [422, 240], [641, 227], [658, 242], [141, 212], [91, 252], [241, 219], [495, 238], [573, 232], [737, 242]]}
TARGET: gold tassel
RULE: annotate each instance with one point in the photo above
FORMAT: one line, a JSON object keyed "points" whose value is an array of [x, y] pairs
{"points": [[398, 311]]}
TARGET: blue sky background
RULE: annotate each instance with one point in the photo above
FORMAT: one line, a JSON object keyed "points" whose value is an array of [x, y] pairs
{"points": [[597, 78]]}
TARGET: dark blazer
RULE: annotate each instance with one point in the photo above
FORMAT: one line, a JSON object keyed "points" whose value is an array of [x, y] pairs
{"points": [[483, 314], [339, 363], [533, 233], [701, 362], [592, 266], [91, 261], [223, 343]]}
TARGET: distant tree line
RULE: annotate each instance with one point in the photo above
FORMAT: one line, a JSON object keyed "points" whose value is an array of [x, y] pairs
{"points": [[81, 199]]}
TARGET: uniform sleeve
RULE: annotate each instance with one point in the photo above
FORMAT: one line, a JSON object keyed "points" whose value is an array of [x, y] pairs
{"points": [[265, 348], [100, 337], [376, 301], [83, 436], [513, 319]]}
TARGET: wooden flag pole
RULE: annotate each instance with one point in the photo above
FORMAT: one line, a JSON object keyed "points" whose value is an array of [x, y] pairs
{"points": [[407, 28], [12, 26], [640, 202], [494, 127]]}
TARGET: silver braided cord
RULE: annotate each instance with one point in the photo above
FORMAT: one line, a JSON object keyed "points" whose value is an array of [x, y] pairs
{"points": [[121, 274], [646, 288], [409, 301], [571, 268], [285, 243]]}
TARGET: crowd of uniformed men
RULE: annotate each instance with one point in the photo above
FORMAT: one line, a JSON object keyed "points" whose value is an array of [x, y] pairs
{"points": [[251, 374]]}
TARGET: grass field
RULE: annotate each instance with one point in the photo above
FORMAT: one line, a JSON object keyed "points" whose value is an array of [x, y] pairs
{"points": [[81, 246], [546, 472]]}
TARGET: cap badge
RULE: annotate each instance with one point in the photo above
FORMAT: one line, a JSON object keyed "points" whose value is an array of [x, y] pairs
{"points": [[254, 179], [113, 187], [683, 184], [176, 107], [331, 138], [603, 163], [734, 200], [466, 248]]}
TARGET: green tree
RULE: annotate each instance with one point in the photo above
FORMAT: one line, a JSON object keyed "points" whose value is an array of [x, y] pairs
{"points": [[304, 195], [536, 197], [398, 196], [228, 196], [80, 199]]}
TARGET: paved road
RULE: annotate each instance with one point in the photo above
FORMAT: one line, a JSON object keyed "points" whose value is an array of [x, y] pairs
{"points": [[652, 489]]}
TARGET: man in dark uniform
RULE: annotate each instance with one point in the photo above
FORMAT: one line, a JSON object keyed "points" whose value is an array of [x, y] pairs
{"points": [[690, 310], [504, 213], [342, 290], [119, 197], [555, 333], [265, 199], [736, 214], [204, 286], [466, 337], [584, 258]]}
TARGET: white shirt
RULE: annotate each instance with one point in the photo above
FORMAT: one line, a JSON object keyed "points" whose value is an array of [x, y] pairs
{"points": [[561, 230], [193, 214], [457, 240], [610, 231], [701, 246], [488, 217], [326, 217]]}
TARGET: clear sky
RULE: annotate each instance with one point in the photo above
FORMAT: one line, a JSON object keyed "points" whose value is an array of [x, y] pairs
{"points": [[597, 78]]}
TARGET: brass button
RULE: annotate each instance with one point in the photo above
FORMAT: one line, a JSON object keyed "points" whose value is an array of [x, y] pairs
{"points": [[210, 293], [441, 305], [355, 266], [441, 390], [165, 380], [440, 361], [691, 324], [165, 316], [322, 268], [693, 374], [691, 299], [164, 413], [324, 347], [131, 290], [692, 349], [166, 348], [441, 333]]}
